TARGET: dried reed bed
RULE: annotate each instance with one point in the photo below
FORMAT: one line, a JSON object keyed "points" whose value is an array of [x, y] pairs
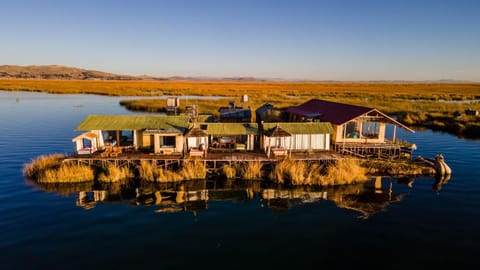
{"points": [[345, 171], [51, 169], [405, 90], [112, 174], [252, 170], [405, 99], [193, 170], [190, 170], [148, 172], [229, 171], [388, 97]]}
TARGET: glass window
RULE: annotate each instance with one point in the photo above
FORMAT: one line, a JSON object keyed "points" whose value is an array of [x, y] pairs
{"points": [[352, 130], [370, 130], [169, 141]]}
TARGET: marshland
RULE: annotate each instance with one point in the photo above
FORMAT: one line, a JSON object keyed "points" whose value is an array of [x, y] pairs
{"points": [[148, 211], [304, 172], [438, 106]]}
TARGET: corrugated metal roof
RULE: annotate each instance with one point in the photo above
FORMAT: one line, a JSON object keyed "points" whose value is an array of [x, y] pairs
{"points": [[302, 127], [265, 107], [338, 113], [328, 111], [230, 128]]}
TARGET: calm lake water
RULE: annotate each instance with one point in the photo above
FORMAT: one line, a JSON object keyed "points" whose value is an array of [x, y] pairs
{"points": [[224, 225]]}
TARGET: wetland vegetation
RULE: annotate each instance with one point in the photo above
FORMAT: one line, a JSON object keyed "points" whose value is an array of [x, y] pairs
{"points": [[438, 106]]}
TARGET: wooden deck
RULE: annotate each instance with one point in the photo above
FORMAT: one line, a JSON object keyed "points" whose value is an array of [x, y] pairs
{"points": [[211, 160], [371, 150]]}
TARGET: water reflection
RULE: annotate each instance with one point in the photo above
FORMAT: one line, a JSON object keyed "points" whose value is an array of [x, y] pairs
{"points": [[365, 199]]}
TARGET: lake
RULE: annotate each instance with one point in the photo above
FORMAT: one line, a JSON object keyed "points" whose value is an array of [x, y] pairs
{"points": [[396, 224]]}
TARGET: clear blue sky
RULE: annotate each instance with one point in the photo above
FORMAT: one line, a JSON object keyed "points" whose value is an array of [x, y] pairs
{"points": [[319, 40]]}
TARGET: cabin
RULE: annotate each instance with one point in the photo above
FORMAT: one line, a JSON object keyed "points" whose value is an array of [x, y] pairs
{"points": [[154, 134], [356, 128], [230, 136], [173, 105], [268, 113], [236, 113], [86, 143], [197, 141], [284, 137], [232, 114]]}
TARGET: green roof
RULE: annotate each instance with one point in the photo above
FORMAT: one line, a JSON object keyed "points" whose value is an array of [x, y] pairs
{"points": [[133, 122], [302, 127], [229, 128]]}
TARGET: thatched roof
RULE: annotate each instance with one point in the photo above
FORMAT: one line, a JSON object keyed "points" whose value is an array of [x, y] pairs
{"points": [[229, 128], [196, 132], [134, 122], [277, 131], [131, 122], [301, 127]]}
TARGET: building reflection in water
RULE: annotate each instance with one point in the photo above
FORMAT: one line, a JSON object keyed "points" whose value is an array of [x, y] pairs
{"points": [[366, 199]]}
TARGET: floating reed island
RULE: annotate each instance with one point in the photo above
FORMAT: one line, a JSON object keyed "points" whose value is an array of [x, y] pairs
{"points": [[315, 143]]}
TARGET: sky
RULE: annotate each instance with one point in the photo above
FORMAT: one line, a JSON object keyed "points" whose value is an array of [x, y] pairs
{"points": [[290, 40]]}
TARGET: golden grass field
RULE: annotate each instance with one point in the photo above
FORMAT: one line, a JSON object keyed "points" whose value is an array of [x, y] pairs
{"points": [[413, 101]]}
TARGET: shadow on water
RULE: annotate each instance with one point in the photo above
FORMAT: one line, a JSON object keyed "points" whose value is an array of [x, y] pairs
{"points": [[366, 199]]}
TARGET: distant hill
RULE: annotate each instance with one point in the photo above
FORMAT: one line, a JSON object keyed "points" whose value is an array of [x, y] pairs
{"points": [[57, 72]]}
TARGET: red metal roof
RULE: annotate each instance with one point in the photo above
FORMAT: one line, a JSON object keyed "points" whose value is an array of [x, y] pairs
{"points": [[328, 111]]}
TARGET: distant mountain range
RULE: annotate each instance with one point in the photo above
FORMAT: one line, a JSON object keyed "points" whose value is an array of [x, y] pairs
{"points": [[58, 72]]}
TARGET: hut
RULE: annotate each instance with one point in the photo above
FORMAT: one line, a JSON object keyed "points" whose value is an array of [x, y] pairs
{"points": [[234, 136], [268, 113], [157, 134], [197, 141], [299, 136], [356, 128], [86, 143], [276, 141], [236, 114], [351, 123]]}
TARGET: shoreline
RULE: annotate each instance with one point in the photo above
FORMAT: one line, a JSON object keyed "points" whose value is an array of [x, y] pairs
{"points": [[58, 168]]}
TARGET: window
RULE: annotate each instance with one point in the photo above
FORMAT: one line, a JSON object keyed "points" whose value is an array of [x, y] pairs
{"points": [[352, 130], [169, 141], [370, 130]]}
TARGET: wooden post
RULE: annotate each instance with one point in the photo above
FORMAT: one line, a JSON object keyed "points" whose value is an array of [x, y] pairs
{"points": [[394, 133], [118, 138]]}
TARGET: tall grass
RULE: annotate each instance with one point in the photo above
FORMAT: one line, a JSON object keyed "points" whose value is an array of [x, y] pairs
{"points": [[113, 173], [193, 170], [229, 171], [148, 172], [252, 170], [39, 165], [190, 170], [345, 171], [52, 169], [418, 91], [403, 99], [70, 173]]}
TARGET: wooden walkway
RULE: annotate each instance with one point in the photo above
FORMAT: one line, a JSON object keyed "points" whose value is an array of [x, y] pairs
{"points": [[211, 160]]}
